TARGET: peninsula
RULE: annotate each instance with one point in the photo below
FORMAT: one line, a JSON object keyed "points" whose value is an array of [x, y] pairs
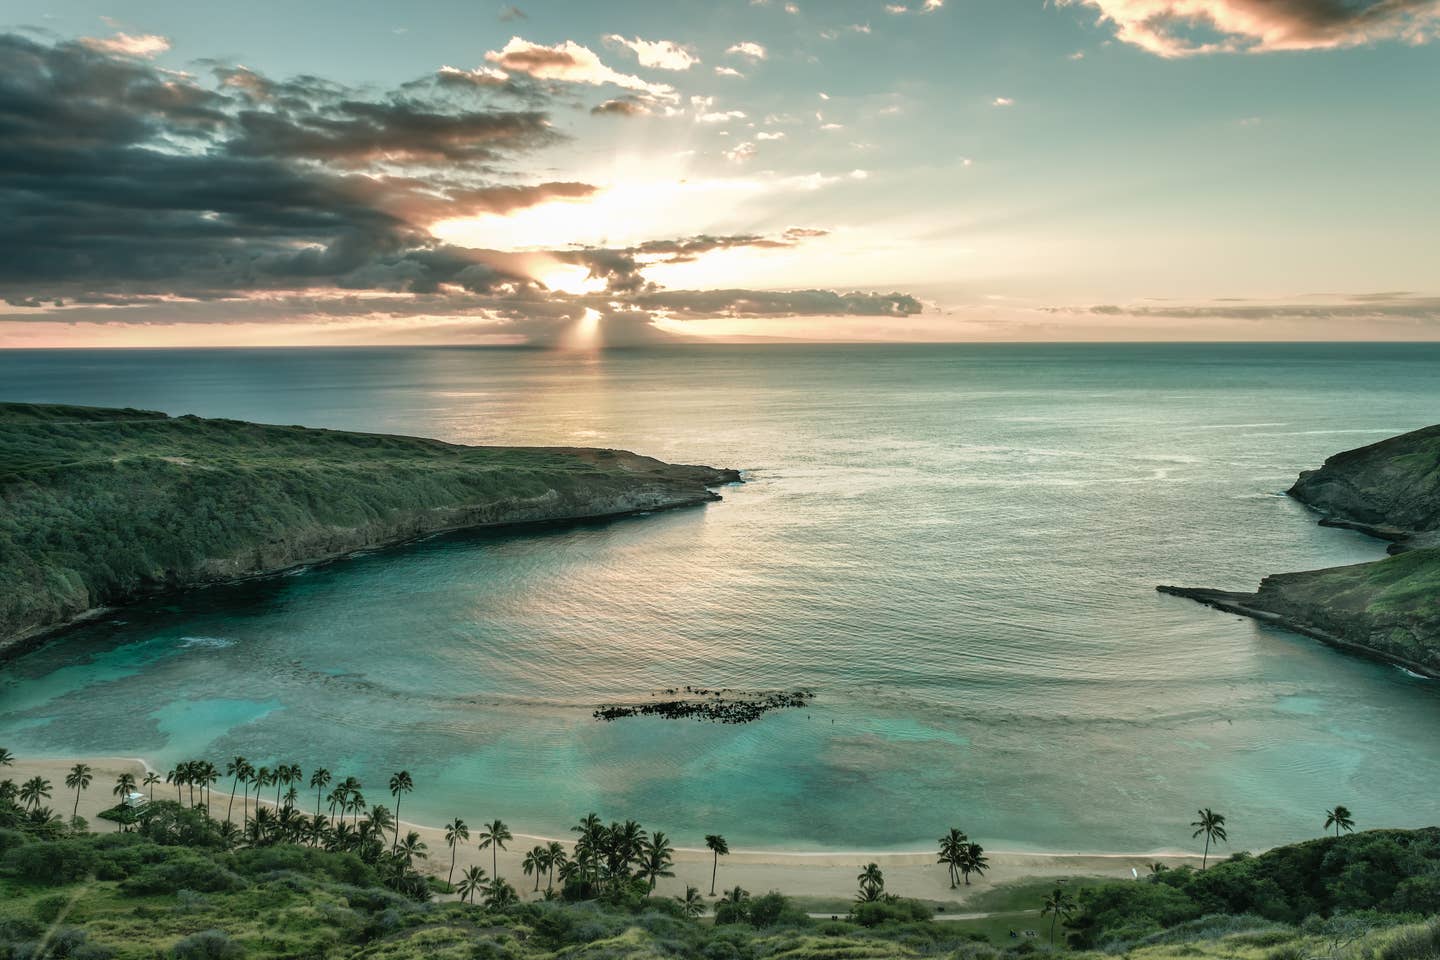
{"points": [[101, 506], [1388, 609]]}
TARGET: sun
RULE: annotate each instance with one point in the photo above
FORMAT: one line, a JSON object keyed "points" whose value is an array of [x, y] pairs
{"points": [[571, 278]]}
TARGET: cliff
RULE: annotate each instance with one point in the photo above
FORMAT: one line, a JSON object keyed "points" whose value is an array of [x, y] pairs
{"points": [[101, 506], [1389, 609]]}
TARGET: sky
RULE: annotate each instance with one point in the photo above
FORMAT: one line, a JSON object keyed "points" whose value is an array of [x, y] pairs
{"points": [[583, 174]]}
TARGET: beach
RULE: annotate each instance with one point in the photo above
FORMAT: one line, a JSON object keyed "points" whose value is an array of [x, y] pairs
{"points": [[821, 875]]}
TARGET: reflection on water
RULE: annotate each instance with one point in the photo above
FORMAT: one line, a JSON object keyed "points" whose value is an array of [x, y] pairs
{"points": [[955, 547]]}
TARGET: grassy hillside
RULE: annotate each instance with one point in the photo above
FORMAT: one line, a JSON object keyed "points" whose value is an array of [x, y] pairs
{"points": [[1389, 609], [181, 885], [98, 505]]}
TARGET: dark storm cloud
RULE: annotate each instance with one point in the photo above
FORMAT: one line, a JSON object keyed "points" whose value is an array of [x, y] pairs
{"points": [[132, 193]]}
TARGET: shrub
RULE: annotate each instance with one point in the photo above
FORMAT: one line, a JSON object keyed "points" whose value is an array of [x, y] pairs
{"points": [[48, 909], [208, 945], [188, 873], [51, 863], [1414, 943], [874, 913]]}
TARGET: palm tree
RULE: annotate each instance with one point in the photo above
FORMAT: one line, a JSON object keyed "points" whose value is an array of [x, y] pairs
{"points": [[412, 848], [174, 776], [320, 779], [692, 903], [261, 779], [7, 759], [554, 858], [500, 895], [472, 880], [124, 785], [495, 837], [657, 855], [381, 820], [400, 784], [950, 846], [236, 769], [1340, 819], [719, 848], [872, 883], [34, 790], [150, 779], [1057, 906], [534, 862], [78, 779], [972, 860], [1212, 825], [456, 833], [206, 775]]}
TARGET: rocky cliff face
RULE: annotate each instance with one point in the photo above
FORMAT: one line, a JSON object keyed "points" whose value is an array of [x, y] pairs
{"points": [[1390, 488], [1387, 610], [99, 507]]}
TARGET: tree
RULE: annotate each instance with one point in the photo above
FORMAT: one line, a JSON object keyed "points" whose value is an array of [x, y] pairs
{"points": [[7, 759], [950, 846], [261, 779], [34, 790], [412, 848], [554, 859], [238, 768], [151, 778], [872, 883], [733, 907], [320, 779], [656, 857], [472, 880], [1340, 819], [206, 774], [692, 903], [534, 862], [79, 779], [494, 836], [499, 895], [456, 833], [1058, 905], [124, 786], [400, 784], [719, 848], [1212, 825], [972, 860]]}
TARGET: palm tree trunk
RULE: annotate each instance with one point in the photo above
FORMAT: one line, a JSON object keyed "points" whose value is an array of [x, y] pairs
{"points": [[1206, 857], [76, 812], [317, 803], [450, 880], [495, 861], [1053, 918], [714, 870], [396, 842]]}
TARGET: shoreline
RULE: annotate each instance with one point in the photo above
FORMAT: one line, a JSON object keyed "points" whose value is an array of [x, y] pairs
{"points": [[32, 639], [795, 873]]}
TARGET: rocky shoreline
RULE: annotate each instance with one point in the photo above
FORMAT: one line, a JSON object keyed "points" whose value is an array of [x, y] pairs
{"points": [[187, 502], [1387, 610]]}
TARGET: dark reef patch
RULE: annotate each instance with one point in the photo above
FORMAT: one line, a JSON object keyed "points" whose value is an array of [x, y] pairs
{"points": [[717, 706]]}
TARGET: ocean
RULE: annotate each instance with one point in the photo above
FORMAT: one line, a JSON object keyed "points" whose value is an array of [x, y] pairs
{"points": [[955, 547]]}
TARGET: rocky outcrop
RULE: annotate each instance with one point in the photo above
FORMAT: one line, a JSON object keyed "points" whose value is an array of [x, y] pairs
{"points": [[100, 507], [1386, 610]]}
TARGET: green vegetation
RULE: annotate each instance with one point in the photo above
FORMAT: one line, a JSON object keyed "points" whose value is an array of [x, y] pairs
{"points": [[181, 883], [1388, 609], [98, 506]]}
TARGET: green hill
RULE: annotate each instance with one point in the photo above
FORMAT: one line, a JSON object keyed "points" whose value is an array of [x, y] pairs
{"points": [[99, 506], [1389, 609]]}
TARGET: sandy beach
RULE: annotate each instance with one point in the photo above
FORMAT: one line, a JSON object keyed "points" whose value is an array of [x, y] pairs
{"points": [[801, 874]]}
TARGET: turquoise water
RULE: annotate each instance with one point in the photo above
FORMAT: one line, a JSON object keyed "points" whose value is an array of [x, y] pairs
{"points": [[956, 547]]}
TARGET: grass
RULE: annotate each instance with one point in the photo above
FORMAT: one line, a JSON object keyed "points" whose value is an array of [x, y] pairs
{"points": [[99, 505]]}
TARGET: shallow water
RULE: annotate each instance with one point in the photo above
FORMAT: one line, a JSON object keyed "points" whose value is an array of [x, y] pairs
{"points": [[955, 547]]}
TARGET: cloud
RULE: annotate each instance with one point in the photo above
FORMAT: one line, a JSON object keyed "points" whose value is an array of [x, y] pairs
{"points": [[741, 152], [754, 303], [747, 48], [657, 54], [1002, 102], [129, 45], [131, 194], [1386, 307], [621, 107], [727, 72], [568, 62], [510, 13], [1182, 28]]}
